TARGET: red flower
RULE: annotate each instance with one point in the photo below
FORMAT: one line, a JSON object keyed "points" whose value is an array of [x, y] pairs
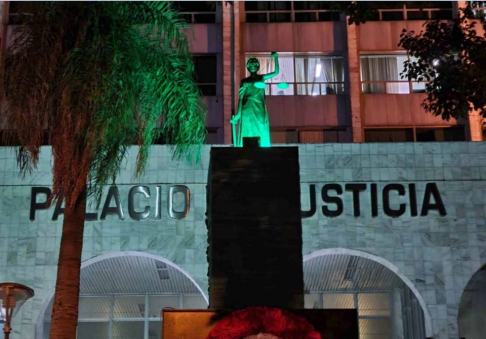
{"points": [[254, 320]]}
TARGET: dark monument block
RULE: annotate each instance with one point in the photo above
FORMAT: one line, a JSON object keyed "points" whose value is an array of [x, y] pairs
{"points": [[254, 228]]}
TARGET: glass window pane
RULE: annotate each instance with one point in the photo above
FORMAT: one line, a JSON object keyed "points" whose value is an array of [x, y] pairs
{"points": [[157, 303], [338, 300], [205, 68], [129, 307], [418, 87], [377, 328], [306, 17], [329, 16], [392, 16], [386, 69], [94, 307], [417, 15], [255, 17], [155, 330], [128, 329], [93, 330], [194, 302], [280, 17], [374, 304], [311, 300], [267, 5], [382, 67], [389, 135], [310, 5]]}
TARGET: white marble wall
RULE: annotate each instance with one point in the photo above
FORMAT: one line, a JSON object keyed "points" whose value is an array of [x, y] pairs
{"points": [[439, 254]]}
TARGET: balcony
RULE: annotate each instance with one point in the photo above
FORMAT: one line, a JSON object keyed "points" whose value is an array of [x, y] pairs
{"points": [[308, 111]]}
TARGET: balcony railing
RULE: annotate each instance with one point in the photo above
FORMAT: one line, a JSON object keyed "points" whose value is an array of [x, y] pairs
{"points": [[392, 87], [396, 14], [199, 17], [307, 88], [292, 15]]}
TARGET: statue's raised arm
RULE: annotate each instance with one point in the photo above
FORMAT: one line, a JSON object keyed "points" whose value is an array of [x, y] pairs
{"points": [[267, 76]]}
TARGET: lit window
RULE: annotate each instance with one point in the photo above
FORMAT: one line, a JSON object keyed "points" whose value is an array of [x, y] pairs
{"points": [[318, 75], [380, 74]]}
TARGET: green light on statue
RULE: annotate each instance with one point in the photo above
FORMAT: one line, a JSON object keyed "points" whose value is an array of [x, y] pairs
{"points": [[260, 85], [283, 85]]}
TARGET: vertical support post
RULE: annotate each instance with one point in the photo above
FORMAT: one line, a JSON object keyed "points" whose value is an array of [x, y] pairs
{"points": [[231, 53], [397, 313], [146, 318], [112, 315]]}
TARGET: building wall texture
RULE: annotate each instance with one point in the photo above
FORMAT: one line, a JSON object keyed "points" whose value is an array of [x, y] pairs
{"points": [[437, 253]]}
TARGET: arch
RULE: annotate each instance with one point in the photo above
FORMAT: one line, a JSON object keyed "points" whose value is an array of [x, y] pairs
{"points": [[470, 311], [91, 261], [387, 264]]}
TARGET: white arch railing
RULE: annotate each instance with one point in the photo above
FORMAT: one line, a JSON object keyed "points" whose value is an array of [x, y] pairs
{"points": [[333, 251]]}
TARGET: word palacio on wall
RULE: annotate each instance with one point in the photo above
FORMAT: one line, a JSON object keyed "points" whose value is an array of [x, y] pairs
{"points": [[331, 194]]}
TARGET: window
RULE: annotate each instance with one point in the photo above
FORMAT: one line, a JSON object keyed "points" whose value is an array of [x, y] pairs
{"points": [[374, 310], [441, 134], [212, 136], [389, 135], [306, 75], [478, 9], [456, 133], [197, 12], [289, 11], [484, 133], [317, 75], [205, 69], [123, 316], [414, 10], [380, 74], [306, 136]]}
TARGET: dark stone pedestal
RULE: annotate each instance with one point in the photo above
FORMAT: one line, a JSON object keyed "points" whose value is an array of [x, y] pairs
{"points": [[255, 231]]}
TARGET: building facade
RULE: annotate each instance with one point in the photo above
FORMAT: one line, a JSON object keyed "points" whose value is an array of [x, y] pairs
{"points": [[393, 219]]}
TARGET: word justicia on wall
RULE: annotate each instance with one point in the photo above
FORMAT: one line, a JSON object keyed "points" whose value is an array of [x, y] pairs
{"points": [[333, 203]]}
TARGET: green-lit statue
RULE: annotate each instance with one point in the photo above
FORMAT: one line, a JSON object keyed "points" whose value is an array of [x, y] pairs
{"points": [[252, 109]]}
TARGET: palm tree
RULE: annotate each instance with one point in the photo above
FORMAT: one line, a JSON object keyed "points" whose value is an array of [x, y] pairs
{"points": [[100, 77]]}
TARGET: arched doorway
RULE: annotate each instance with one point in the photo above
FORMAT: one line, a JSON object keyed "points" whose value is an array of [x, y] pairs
{"points": [[122, 295], [389, 306], [472, 311]]}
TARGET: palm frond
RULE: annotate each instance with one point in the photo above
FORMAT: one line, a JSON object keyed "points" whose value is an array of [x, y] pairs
{"points": [[101, 76]]}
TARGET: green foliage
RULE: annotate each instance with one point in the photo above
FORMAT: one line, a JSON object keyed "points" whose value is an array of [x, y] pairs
{"points": [[452, 56], [101, 76]]}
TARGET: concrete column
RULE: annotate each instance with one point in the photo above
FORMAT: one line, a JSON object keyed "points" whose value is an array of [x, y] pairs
{"points": [[475, 126], [354, 81], [230, 63]]}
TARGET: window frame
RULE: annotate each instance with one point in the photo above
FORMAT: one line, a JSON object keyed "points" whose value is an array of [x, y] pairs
{"points": [[215, 84], [292, 11], [355, 294], [370, 54], [405, 11], [414, 132]]}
